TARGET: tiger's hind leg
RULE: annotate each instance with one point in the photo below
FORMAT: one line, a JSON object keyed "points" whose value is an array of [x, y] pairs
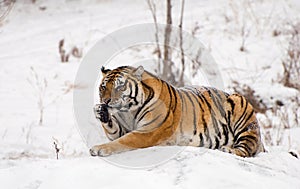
{"points": [[246, 142], [243, 124]]}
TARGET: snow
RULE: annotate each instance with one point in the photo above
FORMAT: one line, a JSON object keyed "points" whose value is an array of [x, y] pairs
{"points": [[192, 168], [29, 38]]}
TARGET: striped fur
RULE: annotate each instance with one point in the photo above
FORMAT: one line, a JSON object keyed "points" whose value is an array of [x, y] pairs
{"points": [[139, 110]]}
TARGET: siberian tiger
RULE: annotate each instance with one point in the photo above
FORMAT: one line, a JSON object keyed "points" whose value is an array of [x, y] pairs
{"points": [[139, 110]]}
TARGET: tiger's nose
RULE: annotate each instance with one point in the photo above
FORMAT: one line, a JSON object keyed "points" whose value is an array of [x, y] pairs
{"points": [[106, 100]]}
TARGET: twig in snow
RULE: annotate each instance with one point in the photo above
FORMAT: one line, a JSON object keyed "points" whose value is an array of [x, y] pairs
{"points": [[57, 149]]}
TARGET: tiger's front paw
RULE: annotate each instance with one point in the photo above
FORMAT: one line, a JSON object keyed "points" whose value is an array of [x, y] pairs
{"points": [[101, 112], [101, 150]]}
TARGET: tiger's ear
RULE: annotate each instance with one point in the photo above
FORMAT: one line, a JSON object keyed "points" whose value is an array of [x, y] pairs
{"points": [[138, 72], [104, 71]]}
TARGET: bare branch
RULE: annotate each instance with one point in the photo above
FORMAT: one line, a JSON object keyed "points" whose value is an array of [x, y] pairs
{"points": [[168, 30], [181, 82]]}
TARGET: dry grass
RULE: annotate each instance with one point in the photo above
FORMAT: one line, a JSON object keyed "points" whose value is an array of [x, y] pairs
{"points": [[291, 62], [65, 55], [250, 94]]}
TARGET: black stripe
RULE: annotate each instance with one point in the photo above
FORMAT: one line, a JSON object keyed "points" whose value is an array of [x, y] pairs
{"points": [[174, 91], [112, 132], [245, 148], [143, 115], [200, 104], [241, 118], [170, 95], [204, 100], [119, 128], [225, 133], [201, 140], [116, 126], [229, 122], [130, 86], [242, 101], [206, 132], [196, 98], [247, 138], [115, 74], [170, 104], [146, 110], [194, 113], [206, 88], [182, 109], [149, 98], [123, 67], [115, 131], [208, 104], [247, 141], [247, 119], [215, 125], [217, 143], [237, 135], [136, 91], [120, 131], [232, 104]]}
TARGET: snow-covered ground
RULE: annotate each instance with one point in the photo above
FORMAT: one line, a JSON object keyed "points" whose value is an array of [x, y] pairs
{"points": [[190, 169], [29, 38]]}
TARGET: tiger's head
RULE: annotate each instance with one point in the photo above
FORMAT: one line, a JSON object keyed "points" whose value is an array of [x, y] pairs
{"points": [[121, 88]]}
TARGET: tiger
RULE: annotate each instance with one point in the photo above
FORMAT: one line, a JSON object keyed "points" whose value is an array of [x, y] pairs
{"points": [[138, 110]]}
